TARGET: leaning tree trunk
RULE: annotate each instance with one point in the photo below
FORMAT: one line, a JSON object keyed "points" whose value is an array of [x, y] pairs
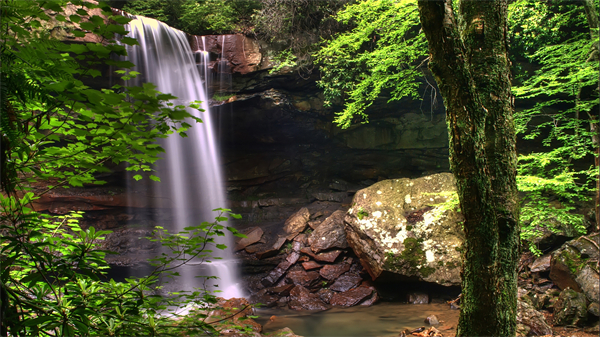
{"points": [[471, 66]]}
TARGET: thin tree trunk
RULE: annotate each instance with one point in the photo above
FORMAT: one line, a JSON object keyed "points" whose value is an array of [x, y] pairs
{"points": [[471, 67], [594, 22]]}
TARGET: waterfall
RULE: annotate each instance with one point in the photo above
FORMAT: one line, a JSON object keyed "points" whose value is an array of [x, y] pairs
{"points": [[191, 181]]}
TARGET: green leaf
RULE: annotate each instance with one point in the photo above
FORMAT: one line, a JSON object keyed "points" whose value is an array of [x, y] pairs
{"points": [[154, 178], [137, 177]]}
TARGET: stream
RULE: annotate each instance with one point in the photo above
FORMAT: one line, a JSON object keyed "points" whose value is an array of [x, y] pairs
{"points": [[384, 319]]}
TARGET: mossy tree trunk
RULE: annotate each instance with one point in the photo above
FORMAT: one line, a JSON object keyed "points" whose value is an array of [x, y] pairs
{"points": [[469, 59]]}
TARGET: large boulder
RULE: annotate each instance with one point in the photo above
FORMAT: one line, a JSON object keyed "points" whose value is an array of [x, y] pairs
{"points": [[409, 227], [570, 308], [572, 266]]}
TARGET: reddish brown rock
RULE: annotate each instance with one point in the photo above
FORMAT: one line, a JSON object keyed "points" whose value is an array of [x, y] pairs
{"points": [[346, 282], [297, 222], [329, 234], [333, 271], [264, 298], [283, 290], [311, 265], [370, 301], [302, 299], [241, 53], [267, 253], [322, 257], [350, 297], [276, 274], [252, 236], [279, 243], [293, 257], [325, 294], [302, 277]]}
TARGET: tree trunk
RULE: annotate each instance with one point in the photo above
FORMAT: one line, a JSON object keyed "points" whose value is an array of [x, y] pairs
{"points": [[471, 66]]}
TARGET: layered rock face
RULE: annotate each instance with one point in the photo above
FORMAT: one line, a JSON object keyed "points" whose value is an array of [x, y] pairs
{"points": [[408, 227]]}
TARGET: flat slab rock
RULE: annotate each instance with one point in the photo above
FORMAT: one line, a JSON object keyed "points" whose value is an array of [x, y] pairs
{"points": [[329, 256], [351, 297], [302, 299]]}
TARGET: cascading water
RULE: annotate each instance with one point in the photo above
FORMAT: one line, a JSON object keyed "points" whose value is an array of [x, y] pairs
{"points": [[191, 181]]}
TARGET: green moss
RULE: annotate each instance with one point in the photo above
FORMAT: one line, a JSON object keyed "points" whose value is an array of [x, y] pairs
{"points": [[426, 271], [409, 228], [361, 213], [412, 254]]}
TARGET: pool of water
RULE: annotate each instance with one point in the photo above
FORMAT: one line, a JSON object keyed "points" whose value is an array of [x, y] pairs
{"points": [[384, 319]]}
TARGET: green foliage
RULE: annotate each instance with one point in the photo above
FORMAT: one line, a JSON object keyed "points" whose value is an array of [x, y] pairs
{"points": [[556, 37], [58, 130], [361, 213], [53, 276], [198, 17], [382, 51], [284, 59], [297, 26]]}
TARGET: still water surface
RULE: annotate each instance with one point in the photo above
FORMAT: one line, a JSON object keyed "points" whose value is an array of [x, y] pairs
{"points": [[385, 319]]}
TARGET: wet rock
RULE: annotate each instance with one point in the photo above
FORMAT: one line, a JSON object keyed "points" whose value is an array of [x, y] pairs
{"points": [[302, 238], [311, 265], [370, 301], [283, 290], [276, 273], [264, 298], [297, 246], [350, 297], [302, 299], [285, 332], [302, 277], [279, 243], [432, 320], [418, 298], [322, 257], [541, 264], [330, 196], [393, 226], [570, 308], [589, 282], [333, 271], [313, 224], [252, 236], [531, 321], [297, 222], [293, 257], [266, 254], [329, 234], [325, 294], [346, 282]]}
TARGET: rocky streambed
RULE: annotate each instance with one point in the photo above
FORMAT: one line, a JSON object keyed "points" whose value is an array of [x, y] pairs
{"points": [[348, 249]]}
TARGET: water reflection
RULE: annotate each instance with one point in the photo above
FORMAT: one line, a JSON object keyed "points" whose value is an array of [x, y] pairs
{"points": [[383, 319]]}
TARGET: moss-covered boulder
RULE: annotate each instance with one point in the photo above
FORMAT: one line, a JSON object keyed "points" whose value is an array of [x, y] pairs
{"points": [[409, 227], [570, 308], [574, 266]]}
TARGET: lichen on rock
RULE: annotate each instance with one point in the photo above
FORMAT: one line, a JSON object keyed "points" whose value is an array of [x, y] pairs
{"points": [[405, 226]]}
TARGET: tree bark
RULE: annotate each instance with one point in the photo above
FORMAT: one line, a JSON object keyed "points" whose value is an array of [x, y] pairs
{"points": [[470, 62]]}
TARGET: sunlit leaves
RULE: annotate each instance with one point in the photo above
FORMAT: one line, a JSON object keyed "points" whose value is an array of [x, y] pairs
{"points": [[381, 52]]}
